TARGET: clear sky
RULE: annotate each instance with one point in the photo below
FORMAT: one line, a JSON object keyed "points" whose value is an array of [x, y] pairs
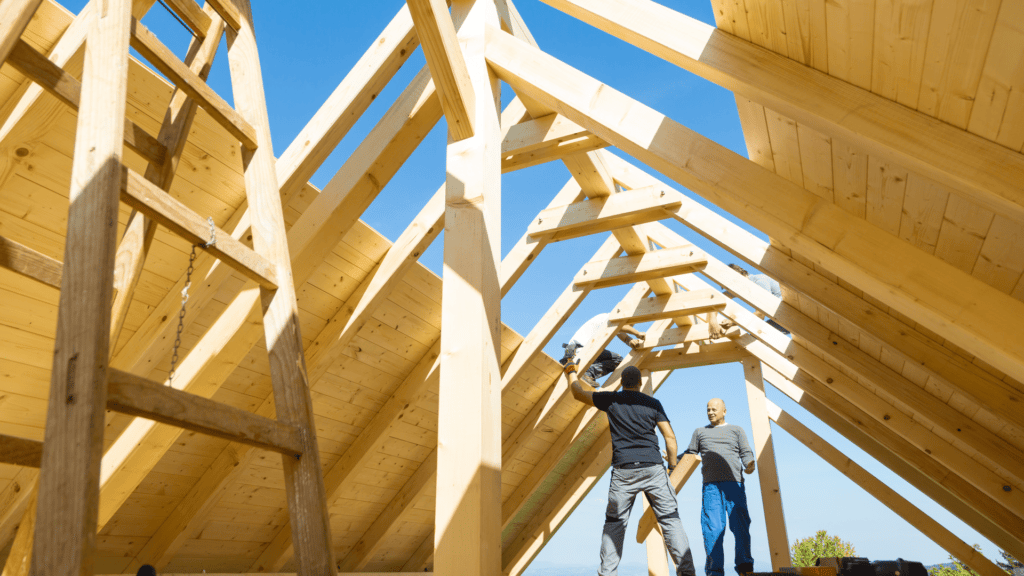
{"points": [[307, 48]]}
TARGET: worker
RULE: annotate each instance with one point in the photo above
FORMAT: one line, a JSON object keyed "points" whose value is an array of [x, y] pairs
{"points": [[607, 361], [636, 461], [725, 455], [765, 282]]}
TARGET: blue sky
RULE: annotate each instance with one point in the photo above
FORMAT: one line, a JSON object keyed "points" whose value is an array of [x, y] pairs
{"points": [[307, 48]]}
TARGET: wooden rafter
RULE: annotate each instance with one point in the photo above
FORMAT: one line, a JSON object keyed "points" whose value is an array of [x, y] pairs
{"points": [[14, 18], [436, 31], [926, 288], [977, 168], [886, 495]]}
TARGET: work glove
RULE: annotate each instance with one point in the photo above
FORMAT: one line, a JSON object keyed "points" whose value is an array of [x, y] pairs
{"points": [[571, 366]]}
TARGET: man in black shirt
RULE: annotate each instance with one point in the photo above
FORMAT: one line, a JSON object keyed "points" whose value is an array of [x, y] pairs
{"points": [[636, 459]]}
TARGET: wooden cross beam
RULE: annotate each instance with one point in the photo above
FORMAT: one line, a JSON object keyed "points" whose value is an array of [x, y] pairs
{"points": [[680, 303], [552, 137], [604, 214], [436, 32], [694, 354], [631, 269]]}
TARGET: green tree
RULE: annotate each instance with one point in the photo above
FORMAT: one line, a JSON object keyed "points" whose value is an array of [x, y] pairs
{"points": [[954, 568], [807, 551], [1009, 562]]}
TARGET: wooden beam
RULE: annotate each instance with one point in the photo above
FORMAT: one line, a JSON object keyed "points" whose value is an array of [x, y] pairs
{"points": [[19, 559], [974, 167], [228, 9], [14, 18], [685, 468], [555, 151], [436, 32], [467, 525], [887, 496], [995, 452], [942, 298], [147, 198], [20, 451], [767, 472], [657, 552], [604, 214], [65, 530], [683, 335], [680, 303], [198, 20], [161, 57], [29, 263], [631, 269], [890, 454], [14, 502], [998, 396], [552, 137], [692, 354], [130, 394], [303, 477], [360, 87], [68, 89]]}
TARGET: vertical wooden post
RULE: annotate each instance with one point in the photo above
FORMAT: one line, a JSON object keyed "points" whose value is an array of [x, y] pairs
{"points": [[467, 534], [304, 482], [771, 493], [65, 531], [657, 554]]}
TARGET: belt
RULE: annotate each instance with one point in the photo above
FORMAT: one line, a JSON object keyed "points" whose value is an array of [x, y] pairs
{"points": [[635, 465]]}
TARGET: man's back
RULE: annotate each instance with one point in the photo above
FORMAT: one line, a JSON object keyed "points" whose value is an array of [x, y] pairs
{"points": [[632, 419], [723, 450]]}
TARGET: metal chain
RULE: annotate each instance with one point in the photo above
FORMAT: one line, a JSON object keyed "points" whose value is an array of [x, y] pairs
{"points": [[184, 296]]}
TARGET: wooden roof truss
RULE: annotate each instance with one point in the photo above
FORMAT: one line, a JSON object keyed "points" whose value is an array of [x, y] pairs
{"points": [[899, 349]]}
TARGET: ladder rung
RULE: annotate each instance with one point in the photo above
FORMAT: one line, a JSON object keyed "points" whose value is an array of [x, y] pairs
{"points": [[27, 262], [192, 14], [130, 394], [20, 451], [166, 62], [163, 208], [228, 11], [68, 89]]}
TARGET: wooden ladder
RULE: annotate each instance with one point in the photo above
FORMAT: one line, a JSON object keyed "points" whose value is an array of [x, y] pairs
{"points": [[82, 385]]}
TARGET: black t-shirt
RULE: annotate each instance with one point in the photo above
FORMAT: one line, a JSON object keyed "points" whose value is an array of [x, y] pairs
{"points": [[632, 418]]}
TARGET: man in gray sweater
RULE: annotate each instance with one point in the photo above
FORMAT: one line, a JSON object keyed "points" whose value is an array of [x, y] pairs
{"points": [[725, 455]]}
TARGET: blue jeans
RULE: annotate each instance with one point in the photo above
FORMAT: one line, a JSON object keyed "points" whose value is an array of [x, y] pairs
{"points": [[724, 500], [625, 485]]}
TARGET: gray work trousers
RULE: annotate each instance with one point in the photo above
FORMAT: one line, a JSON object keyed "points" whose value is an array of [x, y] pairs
{"points": [[626, 484]]}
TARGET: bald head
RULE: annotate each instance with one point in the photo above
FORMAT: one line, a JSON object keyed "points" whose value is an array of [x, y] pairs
{"points": [[716, 411]]}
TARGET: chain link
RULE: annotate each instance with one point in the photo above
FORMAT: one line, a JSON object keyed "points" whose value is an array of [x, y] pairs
{"points": [[184, 296]]}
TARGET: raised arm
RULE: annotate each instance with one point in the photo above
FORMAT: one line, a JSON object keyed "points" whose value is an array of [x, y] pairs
{"points": [[631, 336], [581, 391], [670, 443]]}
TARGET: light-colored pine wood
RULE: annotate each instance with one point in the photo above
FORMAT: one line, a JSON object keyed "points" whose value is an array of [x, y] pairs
{"points": [[65, 530], [685, 468], [20, 451], [303, 476], [887, 496], [682, 335], [467, 532], [19, 559], [193, 15], [630, 269], [993, 393], [147, 198], [188, 81], [551, 137], [14, 18], [436, 32], [601, 215], [230, 11], [68, 90], [767, 472], [130, 394], [693, 354], [685, 303], [829, 105], [842, 244], [30, 263]]}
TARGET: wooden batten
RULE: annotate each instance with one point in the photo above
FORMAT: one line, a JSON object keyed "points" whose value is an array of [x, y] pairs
{"points": [[29, 263], [678, 304], [596, 216], [630, 269]]}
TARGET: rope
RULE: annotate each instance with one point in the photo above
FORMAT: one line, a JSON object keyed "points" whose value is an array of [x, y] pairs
{"points": [[180, 21]]}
